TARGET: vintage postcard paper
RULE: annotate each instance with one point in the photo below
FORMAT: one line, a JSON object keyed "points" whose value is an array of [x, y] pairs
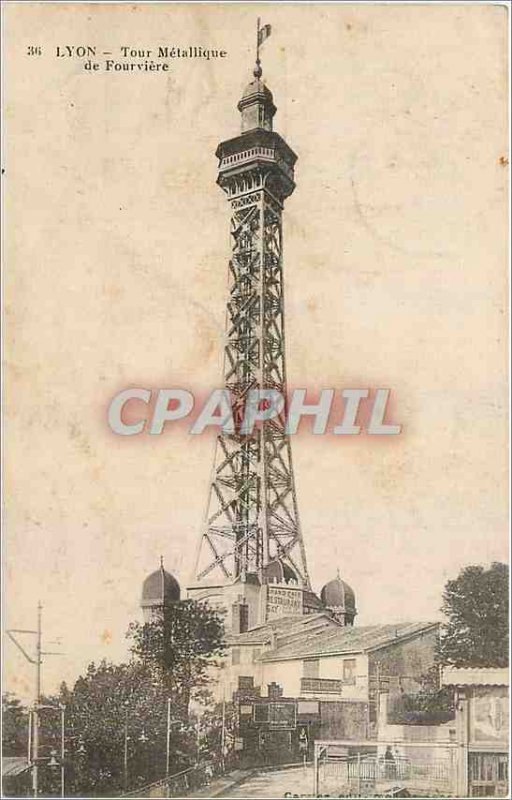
{"points": [[255, 409]]}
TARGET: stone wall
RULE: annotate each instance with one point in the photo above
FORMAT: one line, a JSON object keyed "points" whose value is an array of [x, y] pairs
{"points": [[405, 662], [343, 720]]}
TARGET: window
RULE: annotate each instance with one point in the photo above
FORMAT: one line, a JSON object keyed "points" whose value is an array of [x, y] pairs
{"points": [[235, 655], [245, 682], [261, 713], [244, 618], [282, 715], [308, 707], [485, 771], [349, 670], [311, 668]]}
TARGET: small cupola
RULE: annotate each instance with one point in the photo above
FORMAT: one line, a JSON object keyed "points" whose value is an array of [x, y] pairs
{"points": [[257, 104], [339, 598], [158, 590]]}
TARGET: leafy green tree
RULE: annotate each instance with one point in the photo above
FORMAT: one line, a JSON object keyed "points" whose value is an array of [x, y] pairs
{"points": [[476, 607]]}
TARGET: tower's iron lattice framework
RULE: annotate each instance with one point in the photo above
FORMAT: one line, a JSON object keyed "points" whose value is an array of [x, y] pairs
{"points": [[252, 517]]}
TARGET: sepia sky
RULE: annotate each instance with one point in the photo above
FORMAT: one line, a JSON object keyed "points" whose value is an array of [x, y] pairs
{"points": [[116, 272]]}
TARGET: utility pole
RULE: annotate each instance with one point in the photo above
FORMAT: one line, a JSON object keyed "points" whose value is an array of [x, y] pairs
{"points": [[29, 741], [125, 759], [223, 736], [62, 750], [377, 696], [33, 744], [170, 723], [168, 740], [35, 751]]}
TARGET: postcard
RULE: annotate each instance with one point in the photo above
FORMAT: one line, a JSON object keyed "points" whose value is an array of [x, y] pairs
{"points": [[255, 399]]}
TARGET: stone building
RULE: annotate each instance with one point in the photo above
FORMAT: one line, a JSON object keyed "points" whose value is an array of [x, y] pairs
{"points": [[307, 672], [311, 676]]}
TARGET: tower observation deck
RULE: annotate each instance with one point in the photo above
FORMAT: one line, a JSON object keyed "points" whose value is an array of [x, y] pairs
{"points": [[251, 532]]}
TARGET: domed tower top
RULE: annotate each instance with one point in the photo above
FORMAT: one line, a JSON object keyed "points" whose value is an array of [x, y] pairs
{"points": [[158, 590], [257, 104], [340, 599], [258, 158]]}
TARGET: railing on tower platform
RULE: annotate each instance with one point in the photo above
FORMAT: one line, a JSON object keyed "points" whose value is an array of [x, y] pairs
{"points": [[265, 153]]}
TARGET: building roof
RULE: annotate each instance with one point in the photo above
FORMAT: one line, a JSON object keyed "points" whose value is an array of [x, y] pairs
{"points": [[475, 676], [12, 766], [315, 635], [257, 87], [289, 626], [344, 640]]}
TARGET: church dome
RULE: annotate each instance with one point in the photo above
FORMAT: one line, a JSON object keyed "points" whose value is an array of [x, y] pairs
{"points": [[338, 594], [160, 588]]}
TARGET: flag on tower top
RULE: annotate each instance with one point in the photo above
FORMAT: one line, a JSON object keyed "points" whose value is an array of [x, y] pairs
{"points": [[264, 33]]}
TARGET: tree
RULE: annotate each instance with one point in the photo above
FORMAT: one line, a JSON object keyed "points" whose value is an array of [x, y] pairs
{"points": [[109, 708], [115, 709], [180, 647], [476, 607], [431, 705], [14, 726], [475, 635], [219, 723]]}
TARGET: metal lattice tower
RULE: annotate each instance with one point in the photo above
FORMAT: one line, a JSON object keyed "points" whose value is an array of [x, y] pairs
{"points": [[252, 517]]}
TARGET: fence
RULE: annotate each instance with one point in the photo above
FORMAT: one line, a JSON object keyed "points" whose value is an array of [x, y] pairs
{"points": [[367, 770], [176, 785]]}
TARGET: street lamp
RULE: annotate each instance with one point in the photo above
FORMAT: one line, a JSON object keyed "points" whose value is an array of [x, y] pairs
{"points": [[61, 708]]}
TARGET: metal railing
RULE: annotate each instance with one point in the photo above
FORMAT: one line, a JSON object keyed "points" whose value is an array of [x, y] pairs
{"points": [[175, 785], [266, 153], [366, 774]]}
